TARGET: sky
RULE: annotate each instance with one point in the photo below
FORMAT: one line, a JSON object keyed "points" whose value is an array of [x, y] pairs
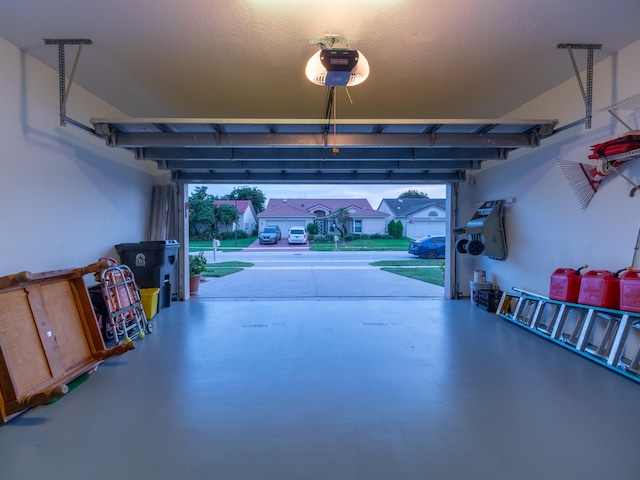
{"points": [[373, 193]]}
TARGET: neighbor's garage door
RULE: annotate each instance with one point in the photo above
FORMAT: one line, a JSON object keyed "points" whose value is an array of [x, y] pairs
{"points": [[420, 229], [286, 224]]}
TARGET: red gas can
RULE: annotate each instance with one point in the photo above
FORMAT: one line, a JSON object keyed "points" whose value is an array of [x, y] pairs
{"points": [[600, 288], [630, 291], [565, 284]]}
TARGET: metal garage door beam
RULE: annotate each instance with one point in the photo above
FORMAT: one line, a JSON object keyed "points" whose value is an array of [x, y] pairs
{"points": [[433, 178], [325, 154], [315, 165], [167, 140]]}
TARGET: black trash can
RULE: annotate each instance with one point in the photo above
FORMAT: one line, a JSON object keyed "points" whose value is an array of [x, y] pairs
{"points": [[153, 264]]}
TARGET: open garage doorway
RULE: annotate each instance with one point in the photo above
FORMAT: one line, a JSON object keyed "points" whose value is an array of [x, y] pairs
{"points": [[321, 152], [297, 271]]}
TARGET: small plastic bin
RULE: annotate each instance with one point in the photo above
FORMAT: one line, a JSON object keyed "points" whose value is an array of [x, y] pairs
{"points": [[488, 299], [476, 287], [149, 300]]}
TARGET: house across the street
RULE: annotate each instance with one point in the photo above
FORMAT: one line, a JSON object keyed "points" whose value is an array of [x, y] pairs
{"points": [[420, 217], [288, 212], [247, 221]]}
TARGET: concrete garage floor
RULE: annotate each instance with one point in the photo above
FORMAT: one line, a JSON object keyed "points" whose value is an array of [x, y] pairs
{"points": [[334, 388]]}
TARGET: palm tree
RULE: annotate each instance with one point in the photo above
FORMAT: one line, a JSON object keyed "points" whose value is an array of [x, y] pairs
{"points": [[340, 217]]}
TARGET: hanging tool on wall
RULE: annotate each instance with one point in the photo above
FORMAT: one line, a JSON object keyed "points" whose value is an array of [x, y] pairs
{"points": [[606, 157], [485, 232]]}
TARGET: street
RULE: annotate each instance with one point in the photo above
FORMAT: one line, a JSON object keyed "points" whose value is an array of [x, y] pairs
{"points": [[297, 272]]}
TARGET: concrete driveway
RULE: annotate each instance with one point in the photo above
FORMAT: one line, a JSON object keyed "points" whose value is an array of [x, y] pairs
{"points": [[282, 245], [300, 273]]}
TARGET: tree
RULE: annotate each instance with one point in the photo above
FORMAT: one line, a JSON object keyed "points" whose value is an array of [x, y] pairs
{"points": [[395, 229], [391, 227], [248, 193], [398, 230], [341, 216], [202, 214], [227, 214], [413, 194]]}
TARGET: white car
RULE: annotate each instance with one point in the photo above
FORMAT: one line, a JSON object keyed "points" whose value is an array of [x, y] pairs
{"points": [[297, 235]]}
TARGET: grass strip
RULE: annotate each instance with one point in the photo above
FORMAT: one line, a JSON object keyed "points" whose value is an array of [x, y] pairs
{"points": [[427, 275], [418, 262], [225, 245], [376, 244], [222, 269]]}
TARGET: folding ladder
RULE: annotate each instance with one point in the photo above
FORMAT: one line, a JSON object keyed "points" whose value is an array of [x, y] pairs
{"points": [[609, 337]]}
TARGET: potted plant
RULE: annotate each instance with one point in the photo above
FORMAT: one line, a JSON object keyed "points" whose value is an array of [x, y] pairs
{"points": [[197, 265]]}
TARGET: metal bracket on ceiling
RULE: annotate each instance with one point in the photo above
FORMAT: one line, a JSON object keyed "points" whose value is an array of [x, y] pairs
{"points": [[63, 86], [586, 96]]}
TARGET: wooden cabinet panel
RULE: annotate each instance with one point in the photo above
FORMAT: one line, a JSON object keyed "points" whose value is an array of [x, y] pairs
{"points": [[49, 336]]}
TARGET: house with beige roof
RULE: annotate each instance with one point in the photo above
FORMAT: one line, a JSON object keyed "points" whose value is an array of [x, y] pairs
{"points": [[288, 212]]}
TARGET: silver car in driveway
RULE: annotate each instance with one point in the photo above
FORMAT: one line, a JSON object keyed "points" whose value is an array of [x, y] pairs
{"points": [[270, 234]]}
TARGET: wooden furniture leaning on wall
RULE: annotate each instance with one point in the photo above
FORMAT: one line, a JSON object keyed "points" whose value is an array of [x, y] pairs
{"points": [[49, 336]]}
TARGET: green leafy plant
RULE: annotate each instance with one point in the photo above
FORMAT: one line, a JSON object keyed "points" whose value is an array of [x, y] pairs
{"points": [[197, 263]]}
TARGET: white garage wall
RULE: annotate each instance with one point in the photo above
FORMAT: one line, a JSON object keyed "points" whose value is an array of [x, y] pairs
{"points": [[67, 198], [545, 227]]}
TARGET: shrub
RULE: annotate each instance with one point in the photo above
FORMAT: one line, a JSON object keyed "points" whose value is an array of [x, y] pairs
{"points": [[397, 234], [312, 228], [391, 226], [323, 239], [348, 237], [394, 229], [232, 235]]}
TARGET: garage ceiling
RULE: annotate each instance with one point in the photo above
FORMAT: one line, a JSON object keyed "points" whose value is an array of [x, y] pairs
{"points": [[244, 59], [343, 151]]}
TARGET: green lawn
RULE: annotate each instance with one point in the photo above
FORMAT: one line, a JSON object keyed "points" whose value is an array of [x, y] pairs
{"points": [[428, 275], [225, 245], [363, 245], [429, 271], [418, 262], [221, 269]]}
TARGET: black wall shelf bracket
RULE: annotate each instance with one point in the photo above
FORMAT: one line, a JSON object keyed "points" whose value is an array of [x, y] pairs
{"points": [[63, 85], [586, 96]]}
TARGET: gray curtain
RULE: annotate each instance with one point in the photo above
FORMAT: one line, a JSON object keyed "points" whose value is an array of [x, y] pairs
{"points": [[163, 225]]}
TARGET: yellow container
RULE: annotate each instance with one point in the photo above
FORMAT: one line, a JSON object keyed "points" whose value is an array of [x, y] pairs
{"points": [[149, 299]]}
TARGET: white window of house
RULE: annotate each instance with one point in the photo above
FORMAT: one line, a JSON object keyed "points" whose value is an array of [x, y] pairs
{"points": [[357, 226]]}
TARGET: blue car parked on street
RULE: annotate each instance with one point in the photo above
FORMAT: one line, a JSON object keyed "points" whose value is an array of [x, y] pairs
{"points": [[428, 247]]}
